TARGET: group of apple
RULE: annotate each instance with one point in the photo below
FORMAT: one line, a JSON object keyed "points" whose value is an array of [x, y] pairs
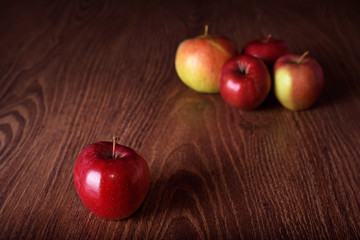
{"points": [[212, 64], [112, 180]]}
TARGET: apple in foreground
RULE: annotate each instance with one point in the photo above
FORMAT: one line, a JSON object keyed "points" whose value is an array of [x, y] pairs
{"points": [[267, 49], [198, 61], [245, 82], [111, 180], [298, 81]]}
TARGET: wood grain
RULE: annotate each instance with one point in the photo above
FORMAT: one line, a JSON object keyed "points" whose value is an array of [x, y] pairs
{"points": [[76, 72]]}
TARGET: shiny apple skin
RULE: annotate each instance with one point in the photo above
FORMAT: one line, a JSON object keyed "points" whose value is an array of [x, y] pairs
{"points": [[267, 49], [198, 61], [111, 188], [297, 86], [244, 91]]}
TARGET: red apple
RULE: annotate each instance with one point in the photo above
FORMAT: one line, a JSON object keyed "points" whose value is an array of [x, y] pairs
{"points": [[244, 82], [298, 81], [198, 61], [111, 180], [267, 49]]}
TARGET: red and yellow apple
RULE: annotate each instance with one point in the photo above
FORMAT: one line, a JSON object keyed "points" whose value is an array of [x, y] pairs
{"points": [[198, 61], [267, 49], [298, 81], [244, 82]]}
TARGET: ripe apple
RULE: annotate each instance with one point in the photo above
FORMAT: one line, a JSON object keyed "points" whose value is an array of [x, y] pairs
{"points": [[198, 61], [111, 180], [244, 82], [267, 49], [298, 81]]}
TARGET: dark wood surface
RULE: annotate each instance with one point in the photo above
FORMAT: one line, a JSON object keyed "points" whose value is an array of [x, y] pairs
{"points": [[77, 72]]}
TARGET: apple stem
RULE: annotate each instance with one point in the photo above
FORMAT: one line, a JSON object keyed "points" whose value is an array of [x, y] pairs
{"points": [[206, 30], [301, 59], [242, 68], [268, 37], [114, 145]]}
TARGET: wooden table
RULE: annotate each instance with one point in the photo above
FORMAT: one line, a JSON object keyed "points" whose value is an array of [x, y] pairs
{"points": [[77, 72]]}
